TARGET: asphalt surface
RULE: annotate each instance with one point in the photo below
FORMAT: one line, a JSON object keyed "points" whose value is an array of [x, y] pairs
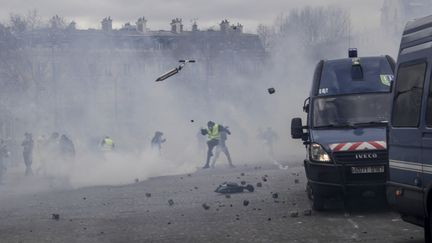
{"points": [[141, 212]]}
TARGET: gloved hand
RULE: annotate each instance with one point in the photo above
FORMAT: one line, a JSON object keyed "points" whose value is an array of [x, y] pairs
{"points": [[204, 131]]}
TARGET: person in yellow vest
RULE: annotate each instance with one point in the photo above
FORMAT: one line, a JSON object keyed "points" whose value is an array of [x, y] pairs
{"points": [[107, 144], [213, 133]]}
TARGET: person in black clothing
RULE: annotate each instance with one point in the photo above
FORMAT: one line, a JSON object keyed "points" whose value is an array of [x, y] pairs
{"points": [[157, 141]]}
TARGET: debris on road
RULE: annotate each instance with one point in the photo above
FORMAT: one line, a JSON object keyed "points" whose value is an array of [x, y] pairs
{"points": [[232, 187], [275, 195], [136, 180], [259, 184], [84, 198], [227, 196], [171, 202], [294, 214], [296, 181], [307, 212], [271, 90], [243, 182], [264, 179], [205, 206], [245, 203], [55, 216], [148, 194], [242, 174]]}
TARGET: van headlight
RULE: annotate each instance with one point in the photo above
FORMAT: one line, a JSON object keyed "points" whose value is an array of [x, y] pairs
{"points": [[317, 153]]}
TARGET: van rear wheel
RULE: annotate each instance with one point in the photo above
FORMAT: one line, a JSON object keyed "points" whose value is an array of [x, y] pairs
{"points": [[318, 203]]}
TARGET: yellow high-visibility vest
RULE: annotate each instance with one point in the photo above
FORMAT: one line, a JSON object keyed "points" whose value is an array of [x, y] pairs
{"points": [[108, 144], [214, 132]]}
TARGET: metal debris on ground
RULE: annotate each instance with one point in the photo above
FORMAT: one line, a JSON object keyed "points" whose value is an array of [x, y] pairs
{"points": [[294, 214], [232, 187], [307, 212], [148, 194], [245, 202], [55, 216], [271, 90], [275, 195], [192, 120], [259, 184], [170, 202], [205, 206]]}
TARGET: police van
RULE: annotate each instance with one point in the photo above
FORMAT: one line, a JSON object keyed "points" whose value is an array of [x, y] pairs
{"points": [[409, 188], [345, 135]]}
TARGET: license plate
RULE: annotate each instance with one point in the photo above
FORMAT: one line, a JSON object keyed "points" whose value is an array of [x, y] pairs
{"points": [[367, 170]]}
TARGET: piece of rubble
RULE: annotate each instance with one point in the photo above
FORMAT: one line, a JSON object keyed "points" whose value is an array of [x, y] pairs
{"points": [[192, 121], [243, 183], [232, 187], [148, 194], [271, 90], [259, 184], [196, 188], [55, 216], [294, 214], [84, 198], [227, 196], [269, 219], [264, 179], [307, 212], [275, 195], [189, 175], [296, 181], [205, 206], [245, 203], [171, 202], [242, 174]]}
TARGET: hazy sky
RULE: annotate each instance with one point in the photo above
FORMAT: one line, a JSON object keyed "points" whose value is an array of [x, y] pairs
{"points": [[89, 13]]}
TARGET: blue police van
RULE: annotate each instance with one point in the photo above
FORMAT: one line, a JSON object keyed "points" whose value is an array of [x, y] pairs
{"points": [[345, 135], [409, 188]]}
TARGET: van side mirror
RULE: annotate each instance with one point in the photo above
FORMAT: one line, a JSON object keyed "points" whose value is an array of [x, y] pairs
{"points": [[306, 105], [296, 128]]}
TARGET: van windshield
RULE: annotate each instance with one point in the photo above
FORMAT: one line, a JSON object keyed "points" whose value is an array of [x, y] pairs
{"points": [[373, 75], [351, 110]]}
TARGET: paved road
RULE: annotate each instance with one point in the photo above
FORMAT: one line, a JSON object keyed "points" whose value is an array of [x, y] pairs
{"points": [[127, 214]]}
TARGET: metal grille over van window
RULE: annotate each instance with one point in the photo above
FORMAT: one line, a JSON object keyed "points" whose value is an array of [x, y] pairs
{"points": [[408, 95]]}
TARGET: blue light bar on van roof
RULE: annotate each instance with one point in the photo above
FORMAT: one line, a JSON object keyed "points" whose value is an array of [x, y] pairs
{"points": [[352, 52]]}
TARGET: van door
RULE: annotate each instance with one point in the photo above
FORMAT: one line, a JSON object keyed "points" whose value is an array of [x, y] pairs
{"points": [[405, 138], [427, 137]]}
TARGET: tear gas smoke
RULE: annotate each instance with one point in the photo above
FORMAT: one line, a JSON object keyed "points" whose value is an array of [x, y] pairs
{"points": [[88, 93]]}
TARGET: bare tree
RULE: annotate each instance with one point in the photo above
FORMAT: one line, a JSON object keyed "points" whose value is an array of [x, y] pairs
{"points": [[315, 25], [266, 35]]}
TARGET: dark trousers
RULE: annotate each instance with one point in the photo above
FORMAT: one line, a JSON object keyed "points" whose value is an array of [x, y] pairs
{"points": [[210, 144]]}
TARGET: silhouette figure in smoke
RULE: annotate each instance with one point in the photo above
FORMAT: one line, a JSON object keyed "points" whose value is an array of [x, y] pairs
{"points": [[28, 153]]}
